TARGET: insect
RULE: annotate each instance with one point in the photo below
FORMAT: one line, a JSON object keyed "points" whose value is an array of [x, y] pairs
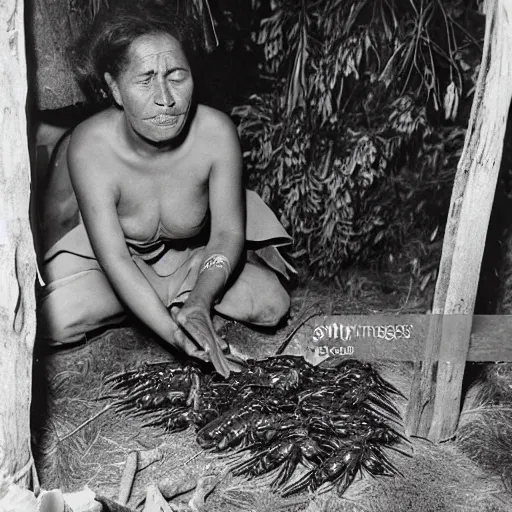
{"points": [[293, 447], [153, 386], [277, 415], [340, 468]]}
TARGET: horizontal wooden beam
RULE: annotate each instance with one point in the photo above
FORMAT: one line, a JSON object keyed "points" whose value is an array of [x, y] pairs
{"points": [[398, 338]]}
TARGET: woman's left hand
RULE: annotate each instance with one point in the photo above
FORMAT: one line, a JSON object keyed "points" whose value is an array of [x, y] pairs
{"points": [[194, 318]]}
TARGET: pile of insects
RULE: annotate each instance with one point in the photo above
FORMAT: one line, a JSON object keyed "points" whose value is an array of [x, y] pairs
{"points": [[278, 414]]}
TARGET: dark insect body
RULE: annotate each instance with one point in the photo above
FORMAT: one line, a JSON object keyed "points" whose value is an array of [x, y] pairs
{"points": [[340, 468], [278, 414]]}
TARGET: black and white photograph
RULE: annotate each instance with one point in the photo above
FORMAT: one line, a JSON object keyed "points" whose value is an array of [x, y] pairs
{"points": [[255, 256]]}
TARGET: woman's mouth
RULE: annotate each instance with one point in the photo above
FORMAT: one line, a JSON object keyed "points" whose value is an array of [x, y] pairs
{"points": [[164, 120]]}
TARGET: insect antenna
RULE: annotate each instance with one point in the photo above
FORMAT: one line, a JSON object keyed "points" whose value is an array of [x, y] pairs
{"points": [[383, 459], [298, 485], [387, 386], [285, 472], [383, 403], [242, 467]]}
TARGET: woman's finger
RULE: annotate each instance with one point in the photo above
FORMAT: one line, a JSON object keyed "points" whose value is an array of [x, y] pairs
{"points": [[211, 342], [184, 343], [198, 325], [173, 311], [188, 342]]}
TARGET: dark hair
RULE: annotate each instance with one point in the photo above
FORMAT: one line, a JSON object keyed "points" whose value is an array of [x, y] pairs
{"points": [[104, 48]]}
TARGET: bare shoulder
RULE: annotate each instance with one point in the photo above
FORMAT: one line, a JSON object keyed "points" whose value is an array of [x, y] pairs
{"points": [[96, 130], [215, 126], [91, 142], [90, 154]]}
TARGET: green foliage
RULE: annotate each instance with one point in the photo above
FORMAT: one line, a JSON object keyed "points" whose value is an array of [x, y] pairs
{"points": [[355, 141]]}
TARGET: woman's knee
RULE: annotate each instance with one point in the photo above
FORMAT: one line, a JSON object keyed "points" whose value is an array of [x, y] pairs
{"points": [[257, 297], [76, 305], [275, 306]]}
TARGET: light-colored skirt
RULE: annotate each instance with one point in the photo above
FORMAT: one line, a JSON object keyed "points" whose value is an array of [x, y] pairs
{"points": [[77, 297]]}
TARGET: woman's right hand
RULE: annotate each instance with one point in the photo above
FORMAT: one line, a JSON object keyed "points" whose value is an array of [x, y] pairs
{"points": [[182, 342], [193, 322]]}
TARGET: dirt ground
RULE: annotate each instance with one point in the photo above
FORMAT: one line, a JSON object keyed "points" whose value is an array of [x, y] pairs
{"points": [[69, 384]]}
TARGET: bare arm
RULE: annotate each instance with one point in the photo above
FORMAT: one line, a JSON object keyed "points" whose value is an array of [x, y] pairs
{"points": [[97, 195], [227, 236], [227, 210]]}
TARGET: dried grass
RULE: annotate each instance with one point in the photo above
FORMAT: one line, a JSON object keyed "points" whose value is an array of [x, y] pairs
{"points": [[485, 432], [69, 384]]}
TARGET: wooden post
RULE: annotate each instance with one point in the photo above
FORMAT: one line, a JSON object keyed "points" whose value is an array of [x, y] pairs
{"points": [[434, 401], [17, 258]]}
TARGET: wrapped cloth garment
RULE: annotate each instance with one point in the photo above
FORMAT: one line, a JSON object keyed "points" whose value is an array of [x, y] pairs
{"points": [[78, 298]]}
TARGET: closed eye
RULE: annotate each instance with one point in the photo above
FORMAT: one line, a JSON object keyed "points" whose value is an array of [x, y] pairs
{"points": [[145, 78], [178, 75]]}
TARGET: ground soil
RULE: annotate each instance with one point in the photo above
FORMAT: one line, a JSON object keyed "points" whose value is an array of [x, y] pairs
{"points": [[69, 384]]}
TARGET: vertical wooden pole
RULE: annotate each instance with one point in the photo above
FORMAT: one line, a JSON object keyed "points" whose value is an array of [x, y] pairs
{"points": [[434, 401], [17, 258]]}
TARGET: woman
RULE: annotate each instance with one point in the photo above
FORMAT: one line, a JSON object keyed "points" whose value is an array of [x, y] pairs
{"points": [[144, 206]]}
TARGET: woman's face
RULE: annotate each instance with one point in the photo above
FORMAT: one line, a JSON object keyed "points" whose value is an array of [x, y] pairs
{"points": [[155, 88]]}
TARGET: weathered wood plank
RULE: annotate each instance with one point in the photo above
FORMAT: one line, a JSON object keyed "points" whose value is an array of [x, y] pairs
{"points": [[17, 258], [490, 337], [434, 403]]}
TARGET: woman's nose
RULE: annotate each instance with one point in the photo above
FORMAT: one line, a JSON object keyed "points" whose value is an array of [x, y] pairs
{"points": [[163, 94]]}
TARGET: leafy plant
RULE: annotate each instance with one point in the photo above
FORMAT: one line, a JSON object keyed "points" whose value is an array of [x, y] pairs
{"points": [[355, 140], [199, 10]]}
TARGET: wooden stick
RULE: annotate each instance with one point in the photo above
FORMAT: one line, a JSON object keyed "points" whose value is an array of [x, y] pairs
{"points": [[85, 423], [130, 469], [155, 502], [294, 331], [434, 405]]}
